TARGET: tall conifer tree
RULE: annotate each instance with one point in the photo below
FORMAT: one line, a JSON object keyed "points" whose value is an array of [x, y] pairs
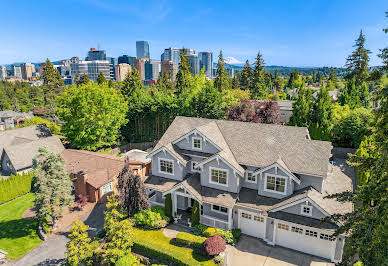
{"points": [[259, 89], [246, 76], [222, 80]]}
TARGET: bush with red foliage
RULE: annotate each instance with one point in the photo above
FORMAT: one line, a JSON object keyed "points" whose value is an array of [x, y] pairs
{"points": [[214, 245], [255, 111], [82, 201]]}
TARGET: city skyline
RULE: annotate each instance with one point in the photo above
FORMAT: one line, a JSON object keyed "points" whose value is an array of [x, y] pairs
{"points": [[316, 33]]}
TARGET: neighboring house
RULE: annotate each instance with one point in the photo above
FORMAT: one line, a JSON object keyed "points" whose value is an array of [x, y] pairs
{"points": [[140, 156], [9, 119], [94, 174], [268, 180], [285, 109], [19, 146]]}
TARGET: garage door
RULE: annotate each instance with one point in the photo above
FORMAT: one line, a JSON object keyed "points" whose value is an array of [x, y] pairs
{"points": [[305, 239], [252, 224]]}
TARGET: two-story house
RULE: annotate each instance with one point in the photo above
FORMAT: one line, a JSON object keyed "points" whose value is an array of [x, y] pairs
{"points": [[268, 180]]}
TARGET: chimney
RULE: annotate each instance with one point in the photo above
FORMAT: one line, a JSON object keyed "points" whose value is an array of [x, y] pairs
{"points": [[80, 187]]}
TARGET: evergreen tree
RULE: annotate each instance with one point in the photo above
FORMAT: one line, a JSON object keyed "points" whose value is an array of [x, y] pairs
{"points": [[277, 81], [164, 83], [183, 77], [208, 103], [77, 80], [301, 109], [333, 76], [101, 78], [110, 83], [259, 89], [51, 76], [322, 113], [131, 83], [293, 78], [357, 62], [350, 94], [384, 51], [246, 76], [235, 83], [80, 248], [84, 80], [132, 193], [222, 81], [52, 187]]}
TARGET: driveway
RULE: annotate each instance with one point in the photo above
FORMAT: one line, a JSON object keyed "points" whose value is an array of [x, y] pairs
{"points": [[253, 251], [52, 251]]}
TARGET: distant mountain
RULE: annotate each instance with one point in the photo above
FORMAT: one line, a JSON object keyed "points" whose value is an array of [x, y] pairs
{"points": [[232, 61]]}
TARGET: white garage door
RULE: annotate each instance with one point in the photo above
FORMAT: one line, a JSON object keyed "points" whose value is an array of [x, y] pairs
{"points": [[305, 239], [252, 224]]}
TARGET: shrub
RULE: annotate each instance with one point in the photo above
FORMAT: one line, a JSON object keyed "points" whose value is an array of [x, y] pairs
{"points": [[210, 231], [128, 260], [218, 259], [214, 245], [199, 229], [195, 214], [82, 201], [168, 206], [159, 209], [226, 235], [15, 186], [190, 240], [45, 226], [236, 233], [151, 219]]}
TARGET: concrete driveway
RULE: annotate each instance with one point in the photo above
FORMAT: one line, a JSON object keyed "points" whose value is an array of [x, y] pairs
{"points": [[253, 251], [52, 251]]}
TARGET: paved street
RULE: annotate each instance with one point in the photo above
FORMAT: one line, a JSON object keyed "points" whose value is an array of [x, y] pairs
{"points": [[52, 251]]}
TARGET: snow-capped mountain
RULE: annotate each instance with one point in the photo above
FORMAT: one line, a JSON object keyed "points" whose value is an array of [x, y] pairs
{"points": [[232, 61]]}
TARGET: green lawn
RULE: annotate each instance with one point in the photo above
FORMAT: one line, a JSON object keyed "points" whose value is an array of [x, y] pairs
{"points": [[18, 235], [155, 244]]}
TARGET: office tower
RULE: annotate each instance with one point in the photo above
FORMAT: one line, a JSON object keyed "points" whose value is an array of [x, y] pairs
{"points": [[91, 68], [206, 61], [171, 54], [140, 66], [27, 70], [121, 71], [94, 54], [169, 68], [142, 49], [16, 71], [112, 67], [156, 69], [125, 59], [194, 63], [3, 73]]}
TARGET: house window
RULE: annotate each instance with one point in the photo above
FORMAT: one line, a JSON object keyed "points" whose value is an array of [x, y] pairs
{"points": [[107, 188], [250, 177], [219, 209], [283, 226], [296, 230], [258, 219], [194, 168], [326, 237], [166, 166], [306, 210], [311, 233], [218, 176], [246, 215], [197, 145], [276, 183]]}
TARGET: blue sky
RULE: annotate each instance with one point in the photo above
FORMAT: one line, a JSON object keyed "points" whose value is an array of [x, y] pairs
{"points": [[288, 33]]}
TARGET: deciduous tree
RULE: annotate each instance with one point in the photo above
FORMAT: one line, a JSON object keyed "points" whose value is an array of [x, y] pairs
{"points": [[101, 79]]}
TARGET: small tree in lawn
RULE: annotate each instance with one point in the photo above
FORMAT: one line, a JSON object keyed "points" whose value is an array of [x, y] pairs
{"points": [[214, 245], [132, 192], [79, 250], [53, 185]]}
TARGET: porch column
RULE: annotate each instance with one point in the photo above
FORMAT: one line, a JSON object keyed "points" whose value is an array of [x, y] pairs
{"points": [[174, 204], [230, 220]]}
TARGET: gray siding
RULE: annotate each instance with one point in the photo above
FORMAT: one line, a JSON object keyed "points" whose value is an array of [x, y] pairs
{"points": [[269, 230], [308, 180], [182, 202], [233, 180], [207, 146], [261, 184], [179, 170], [208, 212], [4, 165], [246, 184], [158, 197], [316, 214], [193, 159]]}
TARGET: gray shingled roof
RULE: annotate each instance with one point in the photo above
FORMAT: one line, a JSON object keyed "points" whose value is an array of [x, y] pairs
{"points": [[256, 144], [21, 155]]}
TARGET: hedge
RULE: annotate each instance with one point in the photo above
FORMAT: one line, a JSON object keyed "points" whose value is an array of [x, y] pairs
{"points": [[190, 240], [168, 206], [155, 244], [15, 186], [195, 214]]}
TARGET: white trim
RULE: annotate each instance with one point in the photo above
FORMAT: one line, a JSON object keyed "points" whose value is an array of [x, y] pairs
{"points": [[219, 169], [196, 132], [227, 223], [213, 210], [108, 186], [156, 203], [246, 177], [218, 157], [168, 160], [192, 167], [275, 191], [178, 186], [164, 149], [306, 206], [200, 143], [276, 165]]}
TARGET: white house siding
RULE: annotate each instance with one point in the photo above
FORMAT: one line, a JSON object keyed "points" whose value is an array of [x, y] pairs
{"points": [[179, 169], [261, 184], [308, 180], [233, 180], [186, 144]]}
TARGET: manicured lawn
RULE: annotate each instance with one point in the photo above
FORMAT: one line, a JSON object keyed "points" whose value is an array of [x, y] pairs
{"points": [[155, 244], [18, 235]]}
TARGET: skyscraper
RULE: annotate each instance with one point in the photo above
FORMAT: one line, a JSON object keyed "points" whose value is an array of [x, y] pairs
{"points": [[3, 72], [140, 66], [206, 61], [152, 70], [16, 71], [122, 71], [171, 54], [94, 54], [91, 68], [169, 68], [112, 63], [125, 59], [194, 64], [28, 70], [142, 49]]}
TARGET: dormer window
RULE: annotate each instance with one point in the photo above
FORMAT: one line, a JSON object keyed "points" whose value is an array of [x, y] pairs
{"points": [[306, 210], [197, 144], [275, 183], [250, 177]]}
